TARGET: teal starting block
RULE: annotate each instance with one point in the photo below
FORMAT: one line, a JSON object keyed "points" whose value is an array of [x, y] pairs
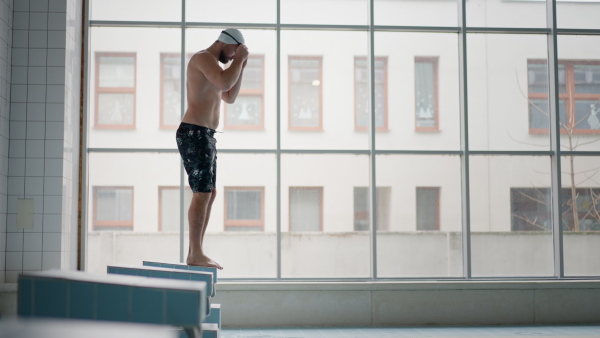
{"points": [[214, 316], [78, 295]]}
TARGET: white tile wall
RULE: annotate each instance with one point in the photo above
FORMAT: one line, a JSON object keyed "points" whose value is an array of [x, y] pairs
{"points": [[34, 133], [32, 260]]}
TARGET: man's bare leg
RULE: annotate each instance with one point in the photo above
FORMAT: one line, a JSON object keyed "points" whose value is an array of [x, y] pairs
{"points": [[208, 210], [198, 215]]}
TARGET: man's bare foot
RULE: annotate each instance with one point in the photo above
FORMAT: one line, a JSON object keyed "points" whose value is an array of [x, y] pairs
{"points": [[203, 261]]}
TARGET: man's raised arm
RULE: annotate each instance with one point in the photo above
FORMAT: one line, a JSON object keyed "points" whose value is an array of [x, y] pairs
{"points": [[223, 79], [230, 95]]}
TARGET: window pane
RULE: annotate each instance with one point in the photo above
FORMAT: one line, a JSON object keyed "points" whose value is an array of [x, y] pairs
{"points": [[510, 231], [423, 104], [362, 216], [529, 209], [255, 11], [493, 13], [586, 114], [246, 246], [142, 174], [539, 117], [305, 209], [424, 194], [317, 89], [537, 77], [116, 72], [171, 90], [577, 14], [330, 12], [244, 205], [114, 109], [333, 249], [250, 122], [587, 79], [428, 208], [499, 103], [416, 13], [361, 93], [426, 93], [169, 208], [305, 93], [254, 74], [127, 87], [114, 204], [247, 110], [130, 10], [581, 215], [582, 63], [155, 180]]}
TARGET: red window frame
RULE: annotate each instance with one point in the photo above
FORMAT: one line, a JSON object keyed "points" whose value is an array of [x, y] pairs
{"points": [[108, 224], [242, 223], [569, 99], [435, 61], [320, 189], [114, 90], [385, 94], [437, 206], [251, 92], [160, 199], [300, 128]]}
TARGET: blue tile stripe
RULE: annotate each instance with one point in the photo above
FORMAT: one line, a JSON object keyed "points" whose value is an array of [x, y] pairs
{"points": [[60, 297], [215, 315]]}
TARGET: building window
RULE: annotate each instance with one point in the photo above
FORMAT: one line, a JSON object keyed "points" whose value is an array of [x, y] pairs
{"points": [[244, 208], [247, 113], [115, 90], [113, 208], [426, 94], [305, 93], [361, 94], [306, 209], [361, 208], [168, 208], [579, 95], [428, 208], [530, 209]]}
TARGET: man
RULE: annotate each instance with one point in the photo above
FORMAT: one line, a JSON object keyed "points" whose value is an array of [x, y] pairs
{"points": [[207, 85]]}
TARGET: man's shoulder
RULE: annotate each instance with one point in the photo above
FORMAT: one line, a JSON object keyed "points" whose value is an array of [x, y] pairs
{"points": [[202, 57]]}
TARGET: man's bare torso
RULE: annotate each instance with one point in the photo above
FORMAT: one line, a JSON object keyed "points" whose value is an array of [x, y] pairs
{"points": [[203, 98]]}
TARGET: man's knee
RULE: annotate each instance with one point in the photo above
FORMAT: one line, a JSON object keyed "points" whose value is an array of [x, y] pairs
{"points": [[202, 197], [213, 195]]}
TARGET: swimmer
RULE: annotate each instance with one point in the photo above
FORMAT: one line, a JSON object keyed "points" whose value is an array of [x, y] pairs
{"points": [[207, 85]]}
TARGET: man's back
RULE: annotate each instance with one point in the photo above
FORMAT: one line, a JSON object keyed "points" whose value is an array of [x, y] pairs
{"points": [[203, 97]]}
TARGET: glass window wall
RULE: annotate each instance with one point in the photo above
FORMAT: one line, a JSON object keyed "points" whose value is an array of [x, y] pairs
{"points": [[353, 150]]}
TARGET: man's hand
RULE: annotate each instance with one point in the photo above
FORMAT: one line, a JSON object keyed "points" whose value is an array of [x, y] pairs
{"points": [[242, 52]]}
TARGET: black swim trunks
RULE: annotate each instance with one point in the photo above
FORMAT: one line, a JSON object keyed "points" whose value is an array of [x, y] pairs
{"points": [[198, 149]]}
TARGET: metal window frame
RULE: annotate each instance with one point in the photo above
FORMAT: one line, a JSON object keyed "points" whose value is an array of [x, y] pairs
{"points": [[462, 30]]}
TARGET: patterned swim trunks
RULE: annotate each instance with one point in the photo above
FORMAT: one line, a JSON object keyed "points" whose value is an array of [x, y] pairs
{"points": [[198, 149]]}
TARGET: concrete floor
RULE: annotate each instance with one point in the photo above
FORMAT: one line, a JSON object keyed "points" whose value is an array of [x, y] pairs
{"points": [[472, 331]]}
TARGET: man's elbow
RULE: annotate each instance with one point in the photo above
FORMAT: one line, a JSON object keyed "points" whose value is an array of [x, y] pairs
{"points": [[227, 99], [225, 87]]}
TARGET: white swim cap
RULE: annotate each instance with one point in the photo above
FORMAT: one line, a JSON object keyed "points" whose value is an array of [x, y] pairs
{"points": [[231, 36]]}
